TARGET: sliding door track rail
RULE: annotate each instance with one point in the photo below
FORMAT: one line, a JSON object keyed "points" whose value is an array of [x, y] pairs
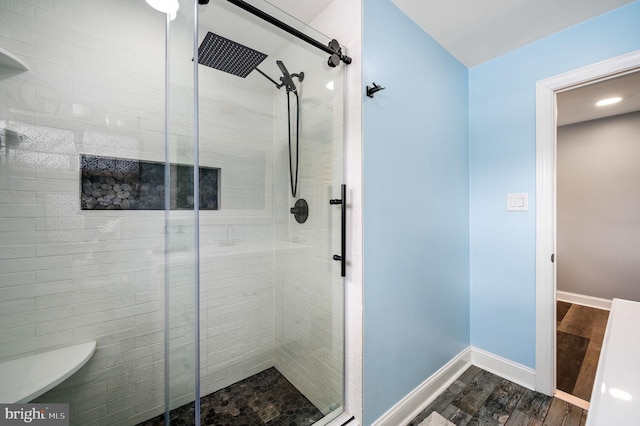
{"points": [[332, 48]]}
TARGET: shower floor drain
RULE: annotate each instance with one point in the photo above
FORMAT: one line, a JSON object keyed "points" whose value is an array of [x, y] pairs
{"points": [[269, 413]]}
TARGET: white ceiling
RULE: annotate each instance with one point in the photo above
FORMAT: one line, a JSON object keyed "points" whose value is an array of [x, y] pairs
{"points": [[303, 11], [476, 31], [578, 105]]}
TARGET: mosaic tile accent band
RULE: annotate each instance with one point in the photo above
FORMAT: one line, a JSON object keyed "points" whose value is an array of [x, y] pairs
{"points": [[109, 183]]}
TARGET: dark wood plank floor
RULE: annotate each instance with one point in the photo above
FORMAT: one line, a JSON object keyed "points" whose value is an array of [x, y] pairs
{"points": [[478, 397], [580, 332]]}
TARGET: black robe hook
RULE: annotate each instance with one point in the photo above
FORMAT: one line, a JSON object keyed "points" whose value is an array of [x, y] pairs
{"points": [[374, 89]]}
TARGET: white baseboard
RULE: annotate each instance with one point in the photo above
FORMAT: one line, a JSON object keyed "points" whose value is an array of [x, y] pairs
{"points": [[419, 398], [581, 299], [517, 373]]}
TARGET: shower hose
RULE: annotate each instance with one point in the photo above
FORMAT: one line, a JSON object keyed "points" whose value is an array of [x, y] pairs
{"points": [[292, 180]]}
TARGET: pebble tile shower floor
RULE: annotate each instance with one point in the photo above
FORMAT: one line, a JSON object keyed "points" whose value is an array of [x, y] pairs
{"points": [[266, 398]]}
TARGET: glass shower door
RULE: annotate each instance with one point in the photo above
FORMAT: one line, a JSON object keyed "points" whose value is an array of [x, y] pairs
{"points": [[82, 191], [182, 210], [309, 289], [272, 297]]}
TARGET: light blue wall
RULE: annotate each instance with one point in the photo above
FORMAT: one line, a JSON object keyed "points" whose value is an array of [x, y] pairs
{"points": [[416, 208], [502, 160]]}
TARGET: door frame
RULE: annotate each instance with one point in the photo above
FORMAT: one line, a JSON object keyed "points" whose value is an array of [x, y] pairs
{"points": [[546, 113]]}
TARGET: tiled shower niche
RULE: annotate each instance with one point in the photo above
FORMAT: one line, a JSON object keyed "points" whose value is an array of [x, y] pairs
{"points": [[109, 183]]}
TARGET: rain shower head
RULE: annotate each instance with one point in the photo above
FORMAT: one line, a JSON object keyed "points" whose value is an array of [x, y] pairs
{"points": [[225, 55], [234, 58]]}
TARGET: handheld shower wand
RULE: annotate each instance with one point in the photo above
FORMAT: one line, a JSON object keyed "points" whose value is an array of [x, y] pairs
{"points": [[287, 79]]}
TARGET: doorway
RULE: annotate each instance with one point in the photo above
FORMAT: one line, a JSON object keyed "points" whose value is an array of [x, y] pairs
{"points": [[546, 222], [597, 177]]}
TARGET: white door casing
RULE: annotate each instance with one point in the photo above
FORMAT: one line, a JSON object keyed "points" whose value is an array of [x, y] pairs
{"points": [[546, 202]]}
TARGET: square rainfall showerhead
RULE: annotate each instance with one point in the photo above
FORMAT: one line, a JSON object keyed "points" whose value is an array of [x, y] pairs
{"points": [[225, 55]]}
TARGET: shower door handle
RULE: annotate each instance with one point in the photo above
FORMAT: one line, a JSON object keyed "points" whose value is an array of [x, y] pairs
{"points": [[343, 232]]}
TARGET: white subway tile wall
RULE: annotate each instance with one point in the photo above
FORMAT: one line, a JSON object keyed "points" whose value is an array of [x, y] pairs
{"points": [[96, 86]]}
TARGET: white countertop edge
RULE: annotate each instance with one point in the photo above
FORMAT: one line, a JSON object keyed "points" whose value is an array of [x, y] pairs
{"points": [[620, 344]]}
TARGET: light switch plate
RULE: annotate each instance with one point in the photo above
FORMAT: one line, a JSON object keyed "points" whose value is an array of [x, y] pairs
{"points": [[518, 202]]}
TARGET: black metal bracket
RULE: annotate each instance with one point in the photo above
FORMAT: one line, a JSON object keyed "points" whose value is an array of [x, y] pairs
{"points": [[333, 48], [371, 90], [343, 243], [337, 55]]}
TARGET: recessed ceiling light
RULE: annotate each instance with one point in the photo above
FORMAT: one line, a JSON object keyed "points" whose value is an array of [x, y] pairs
{"points": [[609, 101]]}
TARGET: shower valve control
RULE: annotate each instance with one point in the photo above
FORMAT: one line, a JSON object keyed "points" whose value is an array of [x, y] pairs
{"points": [[300, 210]]}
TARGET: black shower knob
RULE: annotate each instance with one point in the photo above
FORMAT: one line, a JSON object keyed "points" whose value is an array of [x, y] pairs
{"points": [[300, 210]]}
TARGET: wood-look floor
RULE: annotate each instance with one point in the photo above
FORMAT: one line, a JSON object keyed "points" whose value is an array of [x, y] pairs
{"points": [[580, 332], [478, 397]]}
